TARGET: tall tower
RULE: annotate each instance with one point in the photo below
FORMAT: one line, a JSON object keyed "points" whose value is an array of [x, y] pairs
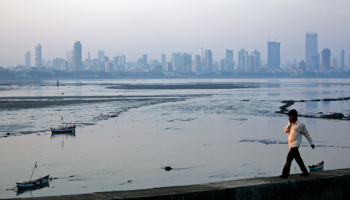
{"points": [[311, 51], [243, 61], [163, 62], [229, 60], [342, 60], [255, 61], [144, 61], [122, 61], [197, 63], [209, 60], [38, 55], [77, 56], [28, 59], [326, 59], [70, 58], [349, 56], [273, 55]]}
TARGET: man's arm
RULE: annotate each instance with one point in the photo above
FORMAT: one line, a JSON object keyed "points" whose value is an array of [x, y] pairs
{"points": [[304, 131], [287, 128]]}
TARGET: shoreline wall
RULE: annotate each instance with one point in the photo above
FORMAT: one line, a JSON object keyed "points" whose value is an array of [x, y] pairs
{"points": [[331, 184]]}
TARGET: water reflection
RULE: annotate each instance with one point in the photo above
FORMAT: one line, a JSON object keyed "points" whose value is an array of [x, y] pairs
{"points": [[59, 135], [311, 104]]}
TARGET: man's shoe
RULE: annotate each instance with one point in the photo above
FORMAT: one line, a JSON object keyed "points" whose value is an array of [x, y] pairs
{"points": [[304, 174], [284, 177]]}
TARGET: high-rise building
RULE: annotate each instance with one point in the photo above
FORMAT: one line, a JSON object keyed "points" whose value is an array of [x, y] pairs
{"points": [[38, 55], [326, 59], [122, 62], [43, 62], [311, 51], [209, 60], [273, 55], [77, 65], [100, 54], [28, 59], [254, 61], [342, 60], [70, 58], [163, 62], [57, 64], [48, 63], [197, 64], [302, 66], [349, 56], [116, 61], [229, 60], [187, 61], [144, 61], [243, 61], [223, 64]]}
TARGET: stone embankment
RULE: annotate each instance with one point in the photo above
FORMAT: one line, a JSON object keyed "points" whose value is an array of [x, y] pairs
{"points": [[331, 184]]}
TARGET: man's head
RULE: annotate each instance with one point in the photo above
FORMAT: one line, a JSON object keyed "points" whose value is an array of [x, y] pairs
{"points": [[293, 115]]}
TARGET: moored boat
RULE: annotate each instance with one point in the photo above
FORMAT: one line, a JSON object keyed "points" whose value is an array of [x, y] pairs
{"points": [[34, 183], [67, 129], [24, 190], [317, 167]]}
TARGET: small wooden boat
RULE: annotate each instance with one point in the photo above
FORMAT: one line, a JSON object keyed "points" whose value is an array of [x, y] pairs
{"points": [[67, 129], [24, 190], [34, 183], [317, 167]]}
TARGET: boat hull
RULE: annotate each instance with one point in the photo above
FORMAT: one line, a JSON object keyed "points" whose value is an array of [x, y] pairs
{"points": [[315, 169], [34, 183], [71, 130]]}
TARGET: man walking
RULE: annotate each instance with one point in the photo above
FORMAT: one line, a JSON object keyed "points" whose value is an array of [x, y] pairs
{"points": [[295, 130]]}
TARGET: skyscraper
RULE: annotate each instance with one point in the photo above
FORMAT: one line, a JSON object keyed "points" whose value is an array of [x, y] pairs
{"points": [[163, 62], [209, 60], [243, 61], [326, 59], [100, 54], [28, 59], [77, 56], [101, 62], [342, 60], [122, 62], [229, 60], [197, 64], [38, 55], [144, 61], [273, 55], [70, 58], [254, 64], [349, 56], [311, 51]]}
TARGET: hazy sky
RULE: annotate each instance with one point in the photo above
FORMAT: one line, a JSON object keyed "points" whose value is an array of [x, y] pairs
{"points": [[137, 27]]}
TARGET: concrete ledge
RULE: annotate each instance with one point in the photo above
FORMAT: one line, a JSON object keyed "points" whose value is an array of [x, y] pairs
{"points": [[331, 184]]}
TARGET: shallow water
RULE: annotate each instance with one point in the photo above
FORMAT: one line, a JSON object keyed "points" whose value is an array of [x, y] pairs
{"points": [[123, 145]]}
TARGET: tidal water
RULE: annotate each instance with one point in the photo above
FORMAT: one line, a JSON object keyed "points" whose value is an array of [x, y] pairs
{"points": [[126, 137]]}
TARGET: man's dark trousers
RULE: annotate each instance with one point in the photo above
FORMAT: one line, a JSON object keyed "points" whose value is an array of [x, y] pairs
{"points": [[294, 154]]}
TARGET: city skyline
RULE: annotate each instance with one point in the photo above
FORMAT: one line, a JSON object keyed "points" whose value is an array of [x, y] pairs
{"points": [[134, 27], [184, 62]]}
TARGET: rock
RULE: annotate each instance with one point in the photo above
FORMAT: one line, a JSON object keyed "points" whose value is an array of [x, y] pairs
{"points": [[333, 116], [168, 168]]}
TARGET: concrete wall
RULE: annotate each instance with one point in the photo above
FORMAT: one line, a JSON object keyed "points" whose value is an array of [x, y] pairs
{"points": [[332, 184]]}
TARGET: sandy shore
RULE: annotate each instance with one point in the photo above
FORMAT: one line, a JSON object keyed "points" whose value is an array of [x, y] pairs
{"points": [[16, 103], [185, 86]]}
